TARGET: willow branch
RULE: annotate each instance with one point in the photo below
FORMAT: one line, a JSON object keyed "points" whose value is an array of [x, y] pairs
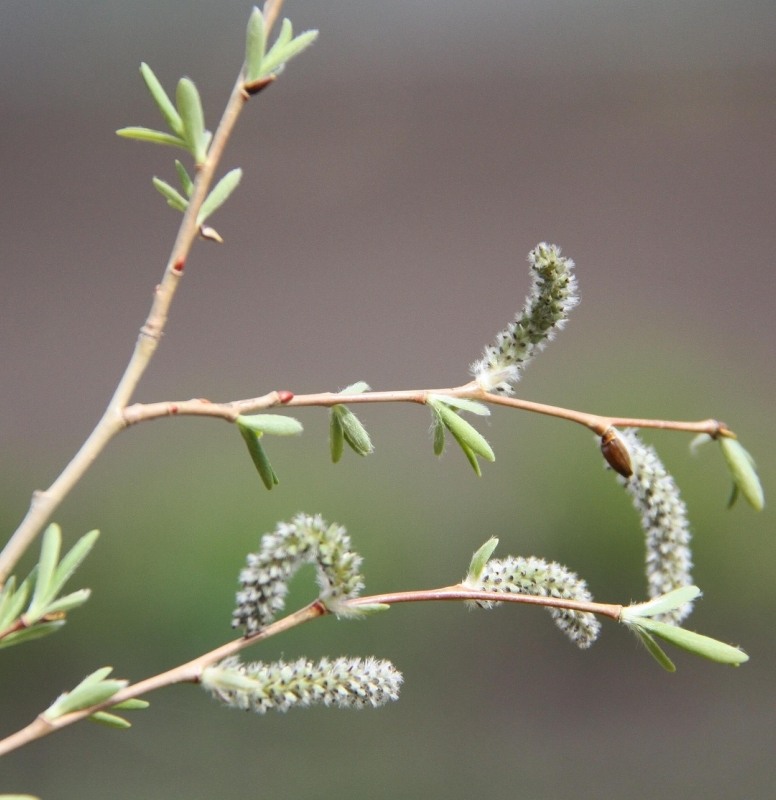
{"points": [[191, 671], [229, 411], [44, 502]]}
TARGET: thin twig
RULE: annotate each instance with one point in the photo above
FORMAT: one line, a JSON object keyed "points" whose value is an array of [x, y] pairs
{"points": [[44, 503], [191, 671], [230, 410]]}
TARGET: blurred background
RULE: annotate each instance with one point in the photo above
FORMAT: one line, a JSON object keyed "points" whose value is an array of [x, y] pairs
{"points": [[394, 180]]}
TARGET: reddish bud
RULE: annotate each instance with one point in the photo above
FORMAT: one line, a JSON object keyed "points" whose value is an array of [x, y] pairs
{"points": [[285, 396]]}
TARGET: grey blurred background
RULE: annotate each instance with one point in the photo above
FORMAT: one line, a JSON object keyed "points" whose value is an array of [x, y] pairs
{"points": [[395, 179]]}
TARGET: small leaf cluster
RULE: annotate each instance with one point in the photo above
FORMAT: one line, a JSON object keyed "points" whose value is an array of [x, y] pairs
{"points": [[47, 610], [94, 690], [446, 416], [262, 63], [346, 428], [641, 619], [185, 118]]}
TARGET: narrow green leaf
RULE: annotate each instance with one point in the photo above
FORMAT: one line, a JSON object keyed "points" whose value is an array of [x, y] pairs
{"points": [[183, 176], [255, 45], [111, 720], [219, 194], [68, 602], [49, 555], [74, 558], [463, 403], [470, 457], [661, 605], [480, 559], [171, 116], [173, 197], [696, 643], [743, 471], [438, 432], [37, 631], [150, 135], [336, 436], [281, 53], [355, 433], [193, 118], [259, 457], [133, 704], [273, 424], [13, 600], [465, 433], [654, 649], [93, 689]]}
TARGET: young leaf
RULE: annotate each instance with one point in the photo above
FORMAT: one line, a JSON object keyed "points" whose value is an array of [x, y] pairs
{"points": [[656, 651], [193, 118], [37, 631], [336, 436], [67, 603], [743, 471], [133, 704], [49, 555], [274, 424], [696, 643], [12, 600], [255, 45], [470, 457], [171, 116], [74, 558], [150, 135], [110, 720], [174, 198], [438, 432], [662, 604], [93, 689], [219, 194], [462, 403], [284, 49], [259, 457], [186, 183], [480, 559], [466, 433], [354, 432], [114, 720]]}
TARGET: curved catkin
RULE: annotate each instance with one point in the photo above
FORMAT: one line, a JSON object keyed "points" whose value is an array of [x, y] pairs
{"points": [[664, 520], [553, 294], [305, 539], [535, 576]]}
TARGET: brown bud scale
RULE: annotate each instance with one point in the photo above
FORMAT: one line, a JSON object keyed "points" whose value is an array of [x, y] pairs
{"points": [[616, 452]]}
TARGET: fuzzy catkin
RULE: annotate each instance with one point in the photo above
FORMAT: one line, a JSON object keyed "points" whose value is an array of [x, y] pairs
{"points": [[553, 294], [664, 521], [342, 682], [306, 539], [535, 576]]}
